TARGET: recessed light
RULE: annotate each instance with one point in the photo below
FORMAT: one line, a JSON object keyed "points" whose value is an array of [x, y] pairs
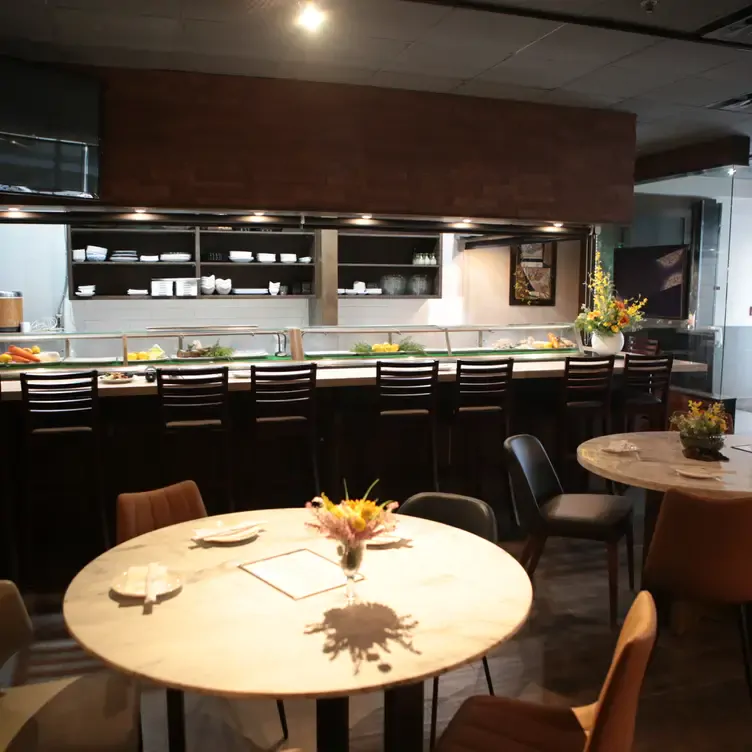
{"points": [[366, 216], [558, 224], [311, 17], [140, 211], [731, 170], [467, 220], [259, 214]]}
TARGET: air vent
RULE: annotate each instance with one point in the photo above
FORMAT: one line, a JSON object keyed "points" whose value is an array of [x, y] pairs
{"points": [[737, 104], [739, 31]]}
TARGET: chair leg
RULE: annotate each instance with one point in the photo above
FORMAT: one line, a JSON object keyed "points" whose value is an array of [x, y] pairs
{"points": [[434, 711], [746, 647], [538, 544], [487, 671], [613, 581], [629, 539], [434, 454], [283, 719]]}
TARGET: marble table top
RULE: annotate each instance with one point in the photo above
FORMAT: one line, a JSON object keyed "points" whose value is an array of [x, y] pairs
{"points": [[659, 454], [445, 600]]}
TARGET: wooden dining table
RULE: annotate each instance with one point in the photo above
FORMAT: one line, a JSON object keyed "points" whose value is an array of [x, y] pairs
{"points": [[440, 599], [657, 463]]}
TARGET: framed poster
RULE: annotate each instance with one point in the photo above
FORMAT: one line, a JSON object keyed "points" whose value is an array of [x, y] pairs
{"points": [[532, 274]]}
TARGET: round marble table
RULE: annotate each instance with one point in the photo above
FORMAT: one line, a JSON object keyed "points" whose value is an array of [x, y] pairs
{"points": [[443, 601], [653, 466]]}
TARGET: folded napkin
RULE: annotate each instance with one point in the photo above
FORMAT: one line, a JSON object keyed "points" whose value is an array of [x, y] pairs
{"points": [[224, 531], [148, 579], [138, 292]]}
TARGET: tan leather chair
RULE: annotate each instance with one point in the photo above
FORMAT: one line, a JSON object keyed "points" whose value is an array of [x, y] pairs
{"points": [[139, 513], [496, 724], [701, 552], [93, 713]]}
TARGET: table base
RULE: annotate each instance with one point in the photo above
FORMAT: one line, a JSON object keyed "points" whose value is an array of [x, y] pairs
{"points": [[403, 718], [176, 720], [333, 725], [653, 500]]}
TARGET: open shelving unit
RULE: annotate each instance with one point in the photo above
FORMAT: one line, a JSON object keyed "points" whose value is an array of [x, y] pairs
{"points": [[371, 257], [210, 254]]}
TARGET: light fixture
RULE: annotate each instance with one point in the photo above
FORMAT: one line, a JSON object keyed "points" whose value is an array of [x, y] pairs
{"points": [[259, 214], [13, 209], [140, 211], [731, 170], [366, 216], [558, 224], [311, 17], [467, 221]]}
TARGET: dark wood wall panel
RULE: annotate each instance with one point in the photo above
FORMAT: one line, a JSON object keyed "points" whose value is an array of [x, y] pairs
{"points": [[197, 140]]}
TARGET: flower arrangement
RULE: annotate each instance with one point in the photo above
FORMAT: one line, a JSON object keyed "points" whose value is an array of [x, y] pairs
{"points": [[352, 521], [609, 314], [699, 422]]}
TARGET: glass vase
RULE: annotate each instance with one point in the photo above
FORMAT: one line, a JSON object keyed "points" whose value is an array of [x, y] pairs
{"points": [[350, 559]]}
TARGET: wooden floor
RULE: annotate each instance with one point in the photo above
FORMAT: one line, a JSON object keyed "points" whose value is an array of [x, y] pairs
{"points": [[694, 698]]}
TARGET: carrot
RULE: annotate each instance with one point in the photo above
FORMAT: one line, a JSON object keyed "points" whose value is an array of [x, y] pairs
{"points": [[17, 351], [18, 359]]}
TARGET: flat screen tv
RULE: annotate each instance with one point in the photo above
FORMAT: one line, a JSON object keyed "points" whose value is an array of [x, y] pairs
{"points": [[49, 130], [659, 273]]}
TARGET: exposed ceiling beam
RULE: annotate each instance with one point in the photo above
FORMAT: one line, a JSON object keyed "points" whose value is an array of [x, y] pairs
{"points": [[594, 22]]}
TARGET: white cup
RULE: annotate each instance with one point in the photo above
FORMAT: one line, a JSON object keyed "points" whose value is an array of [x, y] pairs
{"points": [[359, 287], [274, 288], [25, 327]]}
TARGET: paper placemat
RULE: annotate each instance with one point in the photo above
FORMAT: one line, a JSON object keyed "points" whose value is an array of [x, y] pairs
{"points": [[299, 574]]}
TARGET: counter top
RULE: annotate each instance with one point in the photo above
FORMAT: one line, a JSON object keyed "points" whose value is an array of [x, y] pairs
{"points": [[356, 376]]}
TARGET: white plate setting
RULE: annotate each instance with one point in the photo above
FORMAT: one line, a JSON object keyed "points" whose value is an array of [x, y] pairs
{"points": [[227, 534], [132, 583]]}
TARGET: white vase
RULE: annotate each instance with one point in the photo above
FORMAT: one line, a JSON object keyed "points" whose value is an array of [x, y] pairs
{"points": [[607, 344]]}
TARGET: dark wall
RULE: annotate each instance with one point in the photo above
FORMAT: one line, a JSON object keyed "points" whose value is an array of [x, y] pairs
{"points": [[197, 140]]}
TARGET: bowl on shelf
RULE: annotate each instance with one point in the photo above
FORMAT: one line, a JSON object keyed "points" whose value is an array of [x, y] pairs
{"points": [[305, 259], [267, 258], [79, 254], [393, 284], [223, 286], [420, 285], [288, 258]]}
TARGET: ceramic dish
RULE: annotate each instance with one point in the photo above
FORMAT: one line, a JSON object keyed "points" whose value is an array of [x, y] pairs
{"points": [[107, 378], [620, 447], [699, 474], [228, 533], [132, 584]]}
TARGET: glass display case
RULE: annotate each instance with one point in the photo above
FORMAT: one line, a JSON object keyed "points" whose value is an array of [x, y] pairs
{"points": [[365, 344]]}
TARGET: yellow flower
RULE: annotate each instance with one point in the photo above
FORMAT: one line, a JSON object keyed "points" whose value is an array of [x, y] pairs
{"points": [[358, 523], [614, 329]]}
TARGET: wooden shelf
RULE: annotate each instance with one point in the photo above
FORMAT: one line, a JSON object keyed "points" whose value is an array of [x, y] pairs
{"points": [[251, 263], [189, 297], [135, 264], [394, 266], [389, 297]]}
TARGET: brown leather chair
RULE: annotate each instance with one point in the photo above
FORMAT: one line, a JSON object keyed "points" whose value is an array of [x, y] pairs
{"points": [[701, 552], [93, 712], [139, 513], [546, 511], [496, 724]]}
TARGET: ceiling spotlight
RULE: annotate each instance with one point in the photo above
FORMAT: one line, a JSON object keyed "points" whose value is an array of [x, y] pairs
{"points": [[467, 220], [311, 17], [731, 170], [14, 209], [367, 216], [558, 224], [258, 214], [140, 211]]}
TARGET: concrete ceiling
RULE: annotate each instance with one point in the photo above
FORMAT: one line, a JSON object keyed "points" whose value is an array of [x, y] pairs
{"points": [[668, 84]]}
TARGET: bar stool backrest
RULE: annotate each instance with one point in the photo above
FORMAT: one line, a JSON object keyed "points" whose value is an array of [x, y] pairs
{"points": [[59, 401], [463, 512], [648, 374], [588, 379], [642, 345], [407, 385], [484, 383], [284, 391], [194, 395]]}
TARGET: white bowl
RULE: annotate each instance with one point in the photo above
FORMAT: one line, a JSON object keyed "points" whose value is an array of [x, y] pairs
{"points": [[267, 258], [288, 258], [305, 260]]}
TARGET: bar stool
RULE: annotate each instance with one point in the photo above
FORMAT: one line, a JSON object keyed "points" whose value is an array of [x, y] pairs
{"points": [[410, 390], [287, 394], [584, 404], [197, 400], [483, 393], [642, 345], [645, 395]]}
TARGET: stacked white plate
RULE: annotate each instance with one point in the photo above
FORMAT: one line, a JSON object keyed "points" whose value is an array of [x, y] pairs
{"points": [[241, 257], [95, 253], [124, 256], [223, 286], [137, 292], [149, 258], [186, 287], [374, 291], [174, 256], [266, 258], [208, 285], [288, 258], [161, 288], [250, 291], [86, 291]]}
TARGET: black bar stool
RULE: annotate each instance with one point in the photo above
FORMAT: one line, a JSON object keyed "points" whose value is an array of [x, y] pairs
{"points": [[642, 345], [585, 404], [645, 394], [287, 394], [59, 407], [197, 399], [410, 390], [483, 393]]}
